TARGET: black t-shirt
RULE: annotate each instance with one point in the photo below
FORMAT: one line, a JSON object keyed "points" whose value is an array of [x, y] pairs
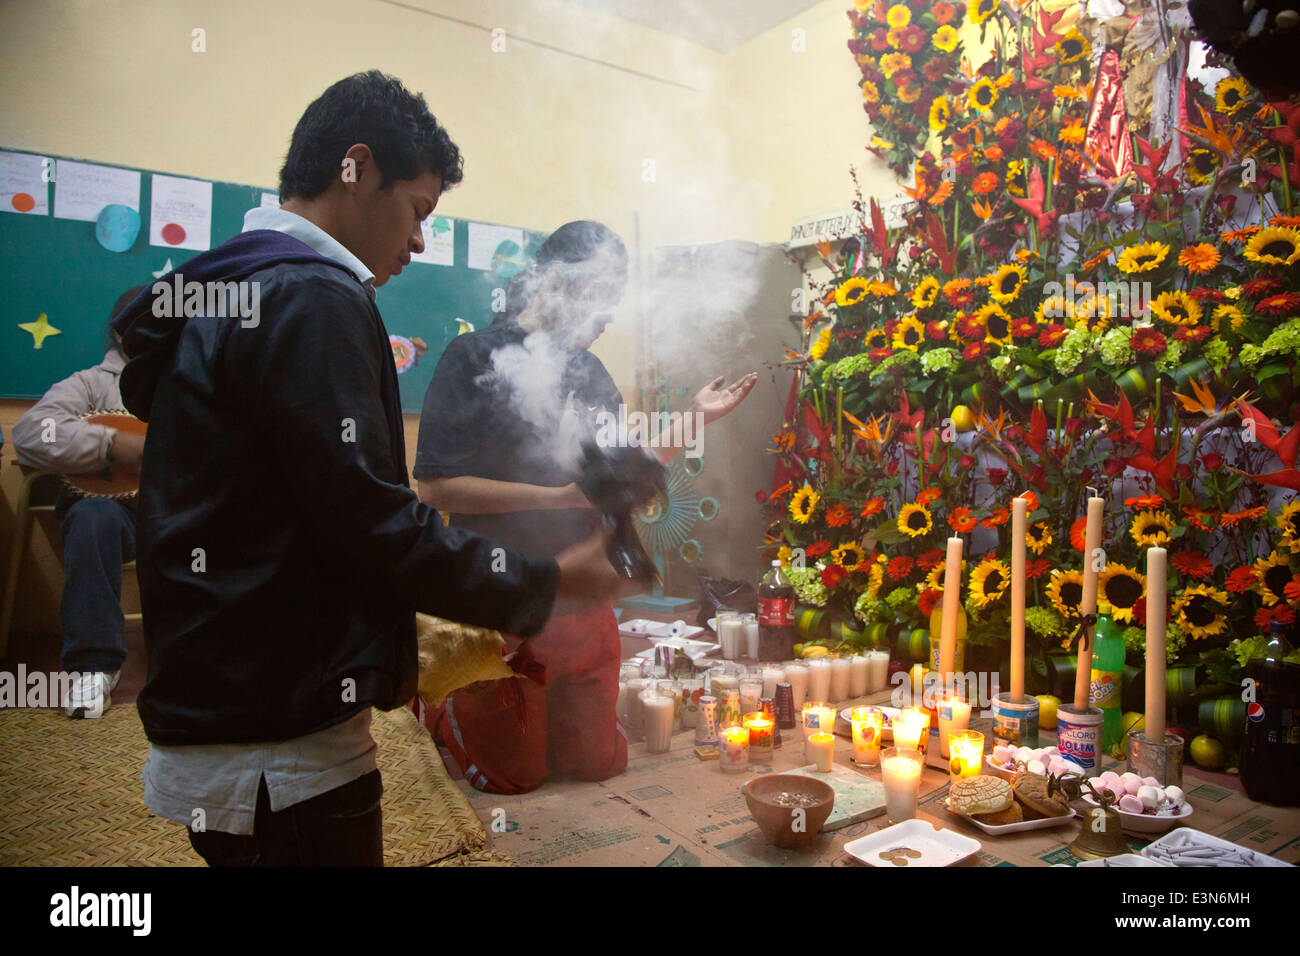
{"points": [[476, 422]]}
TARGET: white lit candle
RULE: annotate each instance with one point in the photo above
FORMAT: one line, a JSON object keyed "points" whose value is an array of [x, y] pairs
{"points": [[911, 727], [900, 771], [867, 723], [954, 714], [733, 749], [822, 749]]}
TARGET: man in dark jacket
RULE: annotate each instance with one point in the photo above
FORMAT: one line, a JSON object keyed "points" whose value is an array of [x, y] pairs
{"points": [[281, 552]]}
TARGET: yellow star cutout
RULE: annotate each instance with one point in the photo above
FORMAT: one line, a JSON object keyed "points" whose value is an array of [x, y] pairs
{"points": [[39, 329]]}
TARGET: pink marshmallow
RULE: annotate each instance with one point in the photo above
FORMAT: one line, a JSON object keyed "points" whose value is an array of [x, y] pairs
{"points": [[1117, 789], [1130, 804]]}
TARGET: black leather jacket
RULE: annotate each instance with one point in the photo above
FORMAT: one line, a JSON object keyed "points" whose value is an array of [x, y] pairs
{"points": [[281, 551]]}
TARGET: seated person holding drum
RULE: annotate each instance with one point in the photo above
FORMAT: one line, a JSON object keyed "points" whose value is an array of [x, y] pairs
{"points": [[98, 530]]}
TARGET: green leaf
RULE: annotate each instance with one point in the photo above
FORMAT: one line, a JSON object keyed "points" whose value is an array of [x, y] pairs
{"points": [[1269, 371]]}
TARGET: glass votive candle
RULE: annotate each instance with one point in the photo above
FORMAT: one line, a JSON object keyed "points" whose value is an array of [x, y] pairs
{"points": [[867, 723], [731, 634], [816, 717], [760, 729], [900, 770], [750, 623], [912, 729], [751, 691], [967, 754], [954, 714], [822, 747], [733, 749]]}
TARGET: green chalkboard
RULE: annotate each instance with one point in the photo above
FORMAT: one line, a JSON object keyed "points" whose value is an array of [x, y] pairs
{"points": [[57, 268]]}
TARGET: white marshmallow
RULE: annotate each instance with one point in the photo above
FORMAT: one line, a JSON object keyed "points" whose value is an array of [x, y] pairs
{"points": [[1149, 797], [1131, 782], [1036, 766], [1175, 796]]}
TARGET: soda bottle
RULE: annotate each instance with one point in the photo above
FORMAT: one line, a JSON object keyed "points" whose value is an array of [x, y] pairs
{"points": [[1270, 753], [1108, 678], [775, 616]]}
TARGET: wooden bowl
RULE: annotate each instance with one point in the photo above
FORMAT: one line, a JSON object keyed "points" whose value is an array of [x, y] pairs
{"points": [[778, 822]]}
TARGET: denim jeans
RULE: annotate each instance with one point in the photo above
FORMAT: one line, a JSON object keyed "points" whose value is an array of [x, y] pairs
{"points": [[98, 538], [341, 827]]}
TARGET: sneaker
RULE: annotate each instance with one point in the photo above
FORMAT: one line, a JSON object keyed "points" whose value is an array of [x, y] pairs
{"points": [[90, 695]]}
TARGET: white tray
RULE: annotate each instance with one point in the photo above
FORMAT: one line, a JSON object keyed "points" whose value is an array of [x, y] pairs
{"points": [[1185, 836], [641, 627], [937, 847], [1146, 823], [1046, 823], [1123, 860]]}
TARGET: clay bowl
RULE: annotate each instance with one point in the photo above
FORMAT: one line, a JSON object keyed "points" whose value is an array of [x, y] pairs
{"points": [[777, 822]]}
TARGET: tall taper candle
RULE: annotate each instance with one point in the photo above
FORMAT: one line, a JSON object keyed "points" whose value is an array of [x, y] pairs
{"points": [[951, 608], [1088, 604], [1019, 513], [1155, 716]]}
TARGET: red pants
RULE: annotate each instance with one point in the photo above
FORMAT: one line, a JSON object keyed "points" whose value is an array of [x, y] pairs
{"points": [[509, 736]]}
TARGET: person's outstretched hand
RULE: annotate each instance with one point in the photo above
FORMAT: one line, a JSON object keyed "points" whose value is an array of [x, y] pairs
{"points": [[715, 401]]}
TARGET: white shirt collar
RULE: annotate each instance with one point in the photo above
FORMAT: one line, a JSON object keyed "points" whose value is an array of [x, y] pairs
{"points": [[281, 220]]}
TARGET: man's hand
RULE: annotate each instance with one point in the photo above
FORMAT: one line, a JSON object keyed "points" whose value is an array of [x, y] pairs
{"points": [[715, 401], [585, 571], [126, 451]]}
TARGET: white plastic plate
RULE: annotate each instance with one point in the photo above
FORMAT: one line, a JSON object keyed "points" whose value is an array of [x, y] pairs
{"points": [[1046, 823], [1122, 860], [937, 847]]}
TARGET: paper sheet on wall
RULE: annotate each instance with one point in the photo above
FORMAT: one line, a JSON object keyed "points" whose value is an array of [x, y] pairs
{"points": [[439, 241], [484, 240], [23, 188], [81, 190], [180, 214]]}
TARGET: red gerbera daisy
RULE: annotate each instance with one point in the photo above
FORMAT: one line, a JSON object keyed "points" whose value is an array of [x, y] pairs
{"points": [[961, 520], [1278, 612], [1051, 335], [1077, 532], [1037, 567], [1240, 580], [931, 598], [873, 507], [943, 12], [1205, 294], [1194, 564], [1192, 336], [1024, 328], [817, 548], [832, 575], [934, 557], [1148, 341], [968, 329], [838, 516], [900, 567], [935, 331], [959, 297], [1279, 304], [1260, 288], [975, 351], [911, 39]]}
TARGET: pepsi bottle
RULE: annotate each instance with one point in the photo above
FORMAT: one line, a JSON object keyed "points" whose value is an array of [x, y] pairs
{"points": [[1270, 754]]}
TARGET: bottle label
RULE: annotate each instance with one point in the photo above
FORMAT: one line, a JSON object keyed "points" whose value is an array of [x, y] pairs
{"points": [[775, 612], [1106, 688]]}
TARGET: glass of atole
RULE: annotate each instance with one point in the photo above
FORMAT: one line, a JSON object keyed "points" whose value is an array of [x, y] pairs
{"points": [[900, 770], [659, 705]]}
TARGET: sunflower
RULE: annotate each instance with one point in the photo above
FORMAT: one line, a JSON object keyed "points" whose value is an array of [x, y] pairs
{"points": [[803, 504], [1016, 181], [939, 114], [1065, 591], [1199, 259], [934, 580], [849, 555], [1272, 575], [995, 322], [875, 339], [909, 334], [988, 581], [1151, 528], [1230, 95], [1275, 246], [898, 16], [1195, 612], [1200, 165], [981, 10], [820, 345], [1236, 318], [1038, 537], [923, 295], [945, 38], [1072, 47], [983, 94], [1122, 588], [1176, 308], [870, 92], [1142, 258], [1007, 283], [851, 291], [1288, 522], [914, 520], [876, 576]]}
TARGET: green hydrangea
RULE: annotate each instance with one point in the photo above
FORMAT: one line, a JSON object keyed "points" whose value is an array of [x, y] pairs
{"points": [[900, 598], [1252, 648], [1077, 342], [867, 609], [1135, 642], [903, 357], [1283, 340], [1218, 354], [938, 360], [850, 367], [1250, 355], [1172, 358], [808, 587], [1045, 622], [1115, 347], [1001, 365]]}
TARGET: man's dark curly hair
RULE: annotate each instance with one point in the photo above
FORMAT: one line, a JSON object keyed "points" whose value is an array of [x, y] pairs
{"points": [[376, 110]]}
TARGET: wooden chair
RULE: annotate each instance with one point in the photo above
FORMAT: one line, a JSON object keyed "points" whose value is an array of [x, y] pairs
{"points": [[36, 496]]}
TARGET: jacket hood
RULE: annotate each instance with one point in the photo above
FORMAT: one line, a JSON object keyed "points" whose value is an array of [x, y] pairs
{"points": [[149, 340]]}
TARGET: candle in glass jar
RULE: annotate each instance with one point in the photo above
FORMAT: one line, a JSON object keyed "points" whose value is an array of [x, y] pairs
{"points": [[841, 672], [796, 675], [954, 714], [912, 728], [731, 634], [658, 703], [900, 771], [733, 749], [772, 675], [859, 675], [760, 737], [723, 682], [751, 635], [822, 748], [877, 670], [751, 689], [967, 754], [867, 723], [819, 679]]}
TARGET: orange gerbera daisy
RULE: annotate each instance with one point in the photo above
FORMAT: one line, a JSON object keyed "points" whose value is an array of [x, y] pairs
{"points": [[1145, 501], [873, 507], [783, 490], [984, 183], [930, 494], [1042, 149], [1037, 567], [1194, 564], [1281, 220], [1229, 519], [962, 520], [1096, 260], [1239, 235], [1032, 498], [941, 194], [931, 559], [1077, 532], [1199, 258], [1240, 580], [838, 516], [997, 518], [1200, 518]]}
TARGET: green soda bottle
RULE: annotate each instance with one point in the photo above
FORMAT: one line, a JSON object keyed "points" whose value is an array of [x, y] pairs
{"points": [[1108, 678]]}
